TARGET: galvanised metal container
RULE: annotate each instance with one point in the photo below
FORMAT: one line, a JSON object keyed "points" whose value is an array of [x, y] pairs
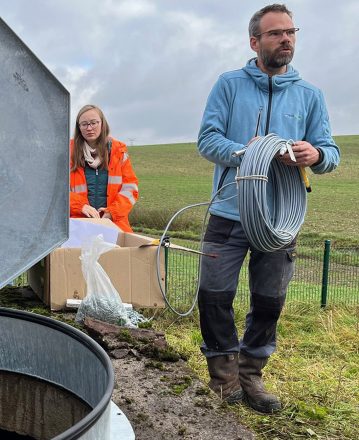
{"points": [[55, 382]]}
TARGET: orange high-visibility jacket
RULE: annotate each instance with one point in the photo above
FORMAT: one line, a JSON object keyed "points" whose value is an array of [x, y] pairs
{"points": [[122, 187]]}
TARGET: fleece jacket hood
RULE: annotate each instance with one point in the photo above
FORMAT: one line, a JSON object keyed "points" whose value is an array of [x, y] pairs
{"points": [[290, 108]]}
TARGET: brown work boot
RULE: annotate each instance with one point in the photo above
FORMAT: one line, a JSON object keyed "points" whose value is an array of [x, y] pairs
{"points": [[250, 377], [223, 371]]}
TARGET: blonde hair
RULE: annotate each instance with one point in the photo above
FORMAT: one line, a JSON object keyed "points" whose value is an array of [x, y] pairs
{"points": [[77, 156]]}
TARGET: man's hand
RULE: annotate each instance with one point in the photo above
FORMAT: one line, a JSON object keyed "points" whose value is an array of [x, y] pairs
{"points": [[89, 211], [305, 154]]}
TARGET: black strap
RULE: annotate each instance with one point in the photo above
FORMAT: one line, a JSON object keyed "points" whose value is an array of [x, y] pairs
{"points": [[109, 147]]}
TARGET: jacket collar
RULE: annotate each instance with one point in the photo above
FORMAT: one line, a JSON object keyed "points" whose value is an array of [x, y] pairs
{"points": [[120, 146], [279, 82]]}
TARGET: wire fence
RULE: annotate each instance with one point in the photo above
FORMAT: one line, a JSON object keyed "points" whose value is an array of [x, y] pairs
{"points": [[311, 283], [308, 285]]}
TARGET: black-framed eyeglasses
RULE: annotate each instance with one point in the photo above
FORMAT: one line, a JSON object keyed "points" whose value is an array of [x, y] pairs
{"points": [[278, 33], [85, 124]]}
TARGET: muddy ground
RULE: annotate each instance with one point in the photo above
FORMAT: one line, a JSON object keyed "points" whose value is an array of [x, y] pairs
{"points": [[160, 395]]}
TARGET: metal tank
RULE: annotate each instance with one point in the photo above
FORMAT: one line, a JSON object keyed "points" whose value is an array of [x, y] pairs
{"points": [[34, 161], [55, 382]]}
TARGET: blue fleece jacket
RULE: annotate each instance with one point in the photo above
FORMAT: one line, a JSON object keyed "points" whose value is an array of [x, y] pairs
{"points": [[290, 108]]}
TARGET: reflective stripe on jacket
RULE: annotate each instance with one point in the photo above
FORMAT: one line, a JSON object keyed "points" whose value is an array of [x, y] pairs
{"points": [[122, 187]]}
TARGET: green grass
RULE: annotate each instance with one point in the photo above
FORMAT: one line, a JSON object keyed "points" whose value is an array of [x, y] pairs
{"points": [[174, 176], [332, 207], [314, 372]]}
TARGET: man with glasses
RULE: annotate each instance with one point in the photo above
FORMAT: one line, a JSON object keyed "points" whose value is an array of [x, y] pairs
{"points": [[265, 96]]}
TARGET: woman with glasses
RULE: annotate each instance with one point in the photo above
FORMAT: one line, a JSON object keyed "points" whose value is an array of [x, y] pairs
{"points": [[102, 181]]}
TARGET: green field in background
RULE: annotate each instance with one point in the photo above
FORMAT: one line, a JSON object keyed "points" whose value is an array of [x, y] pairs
{"points": [[174, 176]]}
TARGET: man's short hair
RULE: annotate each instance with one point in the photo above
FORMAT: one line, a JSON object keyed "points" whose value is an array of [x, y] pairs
{"points": [[254, 24]]}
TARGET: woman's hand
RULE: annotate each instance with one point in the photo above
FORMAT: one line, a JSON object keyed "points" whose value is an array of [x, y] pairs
{"points": [[89, 211], [106, 214]]}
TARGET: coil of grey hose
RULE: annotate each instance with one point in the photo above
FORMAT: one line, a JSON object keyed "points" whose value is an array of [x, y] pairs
{"points": [[261, 178]]}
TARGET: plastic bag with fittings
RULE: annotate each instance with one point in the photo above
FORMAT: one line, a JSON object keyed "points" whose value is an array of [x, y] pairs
{"points": [[102, 300]]}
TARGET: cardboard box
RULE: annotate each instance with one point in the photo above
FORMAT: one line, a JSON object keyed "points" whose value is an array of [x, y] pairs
{"points": [[132, 269]]}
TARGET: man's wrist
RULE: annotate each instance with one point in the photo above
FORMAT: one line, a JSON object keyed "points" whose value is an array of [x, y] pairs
{"points": [[320, 158]]}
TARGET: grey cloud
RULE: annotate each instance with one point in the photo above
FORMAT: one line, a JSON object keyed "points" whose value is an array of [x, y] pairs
{"points": [[151, 64]]}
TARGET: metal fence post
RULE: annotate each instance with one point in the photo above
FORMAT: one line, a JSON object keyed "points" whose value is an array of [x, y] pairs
{"points": [[325, 273], [166, 267]]}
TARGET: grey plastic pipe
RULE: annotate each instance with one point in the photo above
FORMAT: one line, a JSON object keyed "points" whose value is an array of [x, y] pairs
{"points": [[269, 228]]}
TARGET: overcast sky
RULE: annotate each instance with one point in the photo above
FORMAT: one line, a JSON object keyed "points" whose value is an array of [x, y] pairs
{"points": [[150, 64]]}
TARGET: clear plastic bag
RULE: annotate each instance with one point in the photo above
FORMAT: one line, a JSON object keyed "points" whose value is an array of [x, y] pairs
{"points": [[102, 301]]}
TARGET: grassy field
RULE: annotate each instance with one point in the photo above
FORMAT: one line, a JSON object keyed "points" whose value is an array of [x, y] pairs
{"points": [[315, 370], [315, 373], [174, 176]]}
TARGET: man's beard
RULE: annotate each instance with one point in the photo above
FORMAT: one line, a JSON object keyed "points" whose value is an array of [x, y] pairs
{"points": [[275, 60]]}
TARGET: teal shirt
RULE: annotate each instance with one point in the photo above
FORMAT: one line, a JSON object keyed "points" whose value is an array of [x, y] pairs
{"points": [[96, 186]]}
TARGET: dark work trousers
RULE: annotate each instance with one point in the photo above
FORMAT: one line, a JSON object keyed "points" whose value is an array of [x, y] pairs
{"points": [[269, 276]]}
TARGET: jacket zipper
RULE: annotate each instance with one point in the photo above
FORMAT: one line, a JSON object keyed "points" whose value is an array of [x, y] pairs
{"points": [[221, 180], [96, 182], [269, 104], [225, 172]]}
